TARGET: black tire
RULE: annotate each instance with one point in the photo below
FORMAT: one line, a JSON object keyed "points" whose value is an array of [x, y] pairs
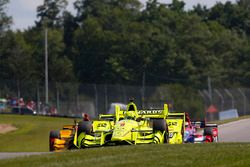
{"points": [[166, 137], [55, 134], [85, 126], [208, 131], [159, 124]]}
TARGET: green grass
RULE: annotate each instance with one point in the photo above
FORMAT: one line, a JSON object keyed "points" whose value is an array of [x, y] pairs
{"points": [[32, 133], [183, 155]]}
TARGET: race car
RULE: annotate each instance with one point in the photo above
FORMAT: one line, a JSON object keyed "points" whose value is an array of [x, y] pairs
{"points": [[130, 126], [62, 139], [200, 132], [205, 132]]}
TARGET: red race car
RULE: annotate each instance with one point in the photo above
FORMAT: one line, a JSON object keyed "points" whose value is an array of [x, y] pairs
{"points": [[205, 132]]}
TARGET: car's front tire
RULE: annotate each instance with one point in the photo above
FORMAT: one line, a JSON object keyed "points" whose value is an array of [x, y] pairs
{"points": [[54, 134], [85, 126]]}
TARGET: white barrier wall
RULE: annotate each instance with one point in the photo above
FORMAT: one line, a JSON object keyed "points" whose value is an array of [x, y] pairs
{"points": [[227, 114]]}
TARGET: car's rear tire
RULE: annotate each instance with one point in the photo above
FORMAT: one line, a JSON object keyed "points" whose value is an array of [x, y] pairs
{"points": [[85, 126], [54, 134], [208, 131], [166, 137], [161, 125]]}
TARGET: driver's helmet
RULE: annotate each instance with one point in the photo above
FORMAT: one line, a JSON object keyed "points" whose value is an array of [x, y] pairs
{"points": [[129, 115]]}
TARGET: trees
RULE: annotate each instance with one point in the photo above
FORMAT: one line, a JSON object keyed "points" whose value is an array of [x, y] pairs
{"points": [[104, 39], [118, 41], [60, 67], [69, 27], [5, 20], [17, 64], [177, 5], [50, 14]]}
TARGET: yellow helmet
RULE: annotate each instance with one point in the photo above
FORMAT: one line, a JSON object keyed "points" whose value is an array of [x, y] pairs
{"points": [[129, 114]]}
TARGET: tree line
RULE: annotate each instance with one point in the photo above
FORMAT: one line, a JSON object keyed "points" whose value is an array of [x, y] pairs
{"points": [[126, 42]]}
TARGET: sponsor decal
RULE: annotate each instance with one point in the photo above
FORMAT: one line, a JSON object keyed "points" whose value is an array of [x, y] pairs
{"points": [[103, 125], [172, 123], [150, 112]]}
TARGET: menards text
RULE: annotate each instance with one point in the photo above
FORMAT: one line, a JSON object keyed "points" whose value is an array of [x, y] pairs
{"points": [[149, 112]]}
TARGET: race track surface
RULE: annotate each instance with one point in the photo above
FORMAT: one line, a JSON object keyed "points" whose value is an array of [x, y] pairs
{"points": [[238, 131], [6, 155]]}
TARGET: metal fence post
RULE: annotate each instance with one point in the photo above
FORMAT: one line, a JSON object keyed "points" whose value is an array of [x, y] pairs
{"points": [[38, 100], [96, 100], [106, 97], [231, 95], [124, 94], [204, 98], [18, 96], [161, 98], [208, 95], [244, 100], [58, 100], [77, 102], [222, 98]]}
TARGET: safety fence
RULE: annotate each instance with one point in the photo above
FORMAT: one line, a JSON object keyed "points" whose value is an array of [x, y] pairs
{"points": [[226, 100], [73, 99]]}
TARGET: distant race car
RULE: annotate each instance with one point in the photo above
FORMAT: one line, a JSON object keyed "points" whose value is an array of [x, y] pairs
{"points": [[130, 126], [205, 132], [199, 131]]}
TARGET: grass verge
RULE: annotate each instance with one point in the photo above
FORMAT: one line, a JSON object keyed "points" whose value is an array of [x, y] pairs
{"points": [[205, 155], [32, 133]]}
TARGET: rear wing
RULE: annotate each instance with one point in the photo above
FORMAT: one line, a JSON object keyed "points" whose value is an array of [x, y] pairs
{"points": [[203, 124], [177, 116], [154, 113], [147, 113], [212, 125], [107, 116], [69, 127], [198, 124]]}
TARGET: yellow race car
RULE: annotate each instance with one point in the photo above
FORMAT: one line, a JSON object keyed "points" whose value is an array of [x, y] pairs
{"points": [[130, 126]]}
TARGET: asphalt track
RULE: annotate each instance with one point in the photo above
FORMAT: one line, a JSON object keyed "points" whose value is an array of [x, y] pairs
{"points": [[238, 131], [6, 155]]}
